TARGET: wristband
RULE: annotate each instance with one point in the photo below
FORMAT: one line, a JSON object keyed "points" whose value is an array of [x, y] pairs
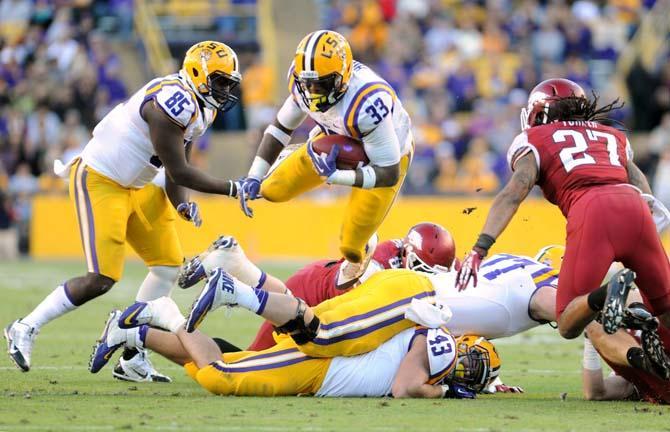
{"points": [[259, 168], [369, 177], [485, 242], [278, 134], [591, 359], [232, 191], [343, 177]]}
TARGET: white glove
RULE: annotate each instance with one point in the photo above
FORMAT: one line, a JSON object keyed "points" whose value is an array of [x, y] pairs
{"points": [[658, 211], [428, 315]]}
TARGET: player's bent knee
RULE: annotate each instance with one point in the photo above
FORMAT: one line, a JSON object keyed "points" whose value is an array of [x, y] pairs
{"points": [[98, 284], [568, 332], [351, 254], [300, 331]]}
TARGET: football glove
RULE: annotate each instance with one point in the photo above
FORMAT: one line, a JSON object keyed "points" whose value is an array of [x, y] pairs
{"points": [[469, 269], [324, 164], [252, 187], [457, 391], [190, 212]]}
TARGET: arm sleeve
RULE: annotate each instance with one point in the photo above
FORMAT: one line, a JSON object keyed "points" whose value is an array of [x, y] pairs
{"points": [[290, 115], [521, 147], [629, 150], [176, 102], [382, 145]]}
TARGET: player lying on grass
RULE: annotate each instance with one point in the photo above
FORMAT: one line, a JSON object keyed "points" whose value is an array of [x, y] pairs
{"points": [[416, 362], [427, 248], [586, 168], [634, 377]]}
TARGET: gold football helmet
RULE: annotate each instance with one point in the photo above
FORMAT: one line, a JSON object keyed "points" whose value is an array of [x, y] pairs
{"points": [[551, 255], [322, 68], [478, 362], [212, 71]]}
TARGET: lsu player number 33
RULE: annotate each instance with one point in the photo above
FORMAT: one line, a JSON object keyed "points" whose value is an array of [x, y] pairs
{"points": [[114, 197], [343, 97]]}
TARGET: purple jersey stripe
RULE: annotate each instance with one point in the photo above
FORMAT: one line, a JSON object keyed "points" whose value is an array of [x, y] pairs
{"points": [[541, 272], [260, 368], [359, 333], [358, 108], [503, 257], [91, 223], [376, 311], [351, 105], [266, 355], [547, 282]]}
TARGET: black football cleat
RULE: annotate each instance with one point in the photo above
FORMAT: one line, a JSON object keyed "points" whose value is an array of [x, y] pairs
{"points": [[655, 353], [615, 302], [637, 317]]}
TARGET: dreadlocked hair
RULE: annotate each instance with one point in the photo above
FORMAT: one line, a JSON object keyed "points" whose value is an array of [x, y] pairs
{"points": [[581, 108]]}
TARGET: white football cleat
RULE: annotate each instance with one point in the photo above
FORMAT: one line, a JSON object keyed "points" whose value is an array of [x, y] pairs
{"points": [[350, 272], [138, 369], [218, 291], [111, 339], [20, 339], [225, 252]]}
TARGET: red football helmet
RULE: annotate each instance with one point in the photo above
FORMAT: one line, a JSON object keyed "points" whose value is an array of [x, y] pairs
{"points": [[428, 248], [542, 97]]}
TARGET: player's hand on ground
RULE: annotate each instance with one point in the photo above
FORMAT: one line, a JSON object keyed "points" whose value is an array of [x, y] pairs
{"points": [[190, 212], [324, 164], [457, 391], [468, 270], [502, 388]]}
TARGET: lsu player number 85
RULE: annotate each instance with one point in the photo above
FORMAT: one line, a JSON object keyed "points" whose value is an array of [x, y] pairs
{"points": [[343, 97], [115, 199]]}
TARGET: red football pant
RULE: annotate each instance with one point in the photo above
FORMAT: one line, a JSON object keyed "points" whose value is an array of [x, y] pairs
{"points": [[607, 224]]}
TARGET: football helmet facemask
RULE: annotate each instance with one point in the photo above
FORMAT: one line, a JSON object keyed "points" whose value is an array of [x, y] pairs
{"points": [[478, 362], [428, 248], [322, 69], [544, 96], [212, 71]]}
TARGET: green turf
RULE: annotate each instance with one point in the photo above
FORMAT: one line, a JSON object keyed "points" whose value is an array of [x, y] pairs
{"points": [[60, 394]]}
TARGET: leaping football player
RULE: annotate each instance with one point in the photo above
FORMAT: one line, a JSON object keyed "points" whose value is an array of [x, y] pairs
{"points": [[117, 203], [586, 168], [343, 97]]}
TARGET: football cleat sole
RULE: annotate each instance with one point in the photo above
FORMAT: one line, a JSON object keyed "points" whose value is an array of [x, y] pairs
{"points": [[102, 352], [615, 302], [219, 280], [191, 273], [16, 356], [655, 352]]}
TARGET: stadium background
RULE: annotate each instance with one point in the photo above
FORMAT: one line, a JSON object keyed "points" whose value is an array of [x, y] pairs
{"points": [[462, 69]]}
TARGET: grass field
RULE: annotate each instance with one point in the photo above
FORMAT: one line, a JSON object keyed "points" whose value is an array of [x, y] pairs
{"points": [[59, 393]]}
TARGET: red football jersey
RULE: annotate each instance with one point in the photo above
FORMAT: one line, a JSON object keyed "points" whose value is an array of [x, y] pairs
{"points": [[389, 254], [573, 156]]}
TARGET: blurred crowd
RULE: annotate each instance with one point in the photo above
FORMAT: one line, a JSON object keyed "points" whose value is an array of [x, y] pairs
{"points": [[58, 77], [463, 69]]}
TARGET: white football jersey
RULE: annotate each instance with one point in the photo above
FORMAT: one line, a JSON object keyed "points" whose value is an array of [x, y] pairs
{"points": [[372, 374], [368, 101], [121, 147], [499, 305]]}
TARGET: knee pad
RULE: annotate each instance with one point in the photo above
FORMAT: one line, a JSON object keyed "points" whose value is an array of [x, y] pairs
{"points": [[158, 283], [300, 332]]}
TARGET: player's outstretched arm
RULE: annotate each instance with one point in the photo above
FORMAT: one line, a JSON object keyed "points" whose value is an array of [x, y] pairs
{"points": [[637, 178], [505, 205], [168, 140], [594, 385]]}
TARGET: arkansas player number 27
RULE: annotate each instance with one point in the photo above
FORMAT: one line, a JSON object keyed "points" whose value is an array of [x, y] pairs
{"points": [[568, 154]]}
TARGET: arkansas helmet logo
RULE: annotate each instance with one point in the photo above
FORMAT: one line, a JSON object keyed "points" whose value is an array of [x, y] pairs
{"points": [[415, 239]]}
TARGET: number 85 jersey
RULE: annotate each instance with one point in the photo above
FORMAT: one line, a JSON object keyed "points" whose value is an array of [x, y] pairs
{"points": [[573, 156], [121, 147], [369, 111]]}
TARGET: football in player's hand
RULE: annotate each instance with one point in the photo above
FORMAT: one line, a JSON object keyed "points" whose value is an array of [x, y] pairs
{"points": [[351, 156]]}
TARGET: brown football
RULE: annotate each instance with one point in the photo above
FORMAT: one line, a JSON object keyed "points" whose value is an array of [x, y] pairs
{"points": [[351, 150]]}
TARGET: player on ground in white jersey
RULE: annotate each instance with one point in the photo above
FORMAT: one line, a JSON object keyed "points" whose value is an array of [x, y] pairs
{"points": [[343, 97], [417, 362], [116, 202]]}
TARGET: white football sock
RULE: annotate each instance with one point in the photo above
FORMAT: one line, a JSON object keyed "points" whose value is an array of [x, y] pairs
{"points": [[166, 314], [136, 336], [158, 283], [253, 299], [235, 263], [54, 305]]}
